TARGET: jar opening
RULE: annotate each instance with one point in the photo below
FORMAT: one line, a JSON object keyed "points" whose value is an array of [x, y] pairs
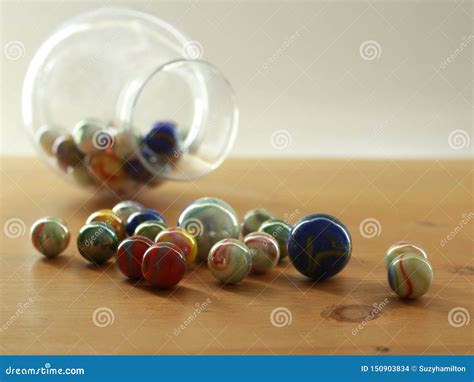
{"points": [[191, 97]]}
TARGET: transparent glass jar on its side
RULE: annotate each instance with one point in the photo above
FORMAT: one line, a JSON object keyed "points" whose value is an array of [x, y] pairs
{"points": [[113, 100]]}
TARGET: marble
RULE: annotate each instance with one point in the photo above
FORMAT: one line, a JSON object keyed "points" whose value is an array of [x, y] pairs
{"points": [[47, 135], [280, 231], [264, 251], [150, 229], [50, 236], [146, 167], [125, 208], [402, 247], [109, 217], [97, 242], [410, 275], [135, 170], [253, 219], [182, 239], [92, 136], [163, 265], [319, 246], [66, 152], [108, 168], [142, 216], [129, 256], [82, 176], [126, 144], [209, 220], [162, 138], [229, 261]]}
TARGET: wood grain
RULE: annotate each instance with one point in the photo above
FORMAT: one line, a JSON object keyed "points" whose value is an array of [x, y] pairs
{"points": [[422, 201]]}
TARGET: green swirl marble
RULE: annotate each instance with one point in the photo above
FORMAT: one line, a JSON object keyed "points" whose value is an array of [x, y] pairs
{"points": [[50, 236], [400, 248], [410, 276], [97, 242], [150, 229], [253, 219], [229, 261], [280, 230]]}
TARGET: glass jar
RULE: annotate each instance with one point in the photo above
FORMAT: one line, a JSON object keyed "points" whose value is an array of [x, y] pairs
{"points": [[119, 99]]}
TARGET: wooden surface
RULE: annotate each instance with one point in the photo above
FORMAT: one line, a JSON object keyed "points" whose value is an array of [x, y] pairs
{"points": [[48, 306]]}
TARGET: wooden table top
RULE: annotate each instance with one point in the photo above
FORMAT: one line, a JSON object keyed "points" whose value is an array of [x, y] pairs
{"points": [[47, 307]]}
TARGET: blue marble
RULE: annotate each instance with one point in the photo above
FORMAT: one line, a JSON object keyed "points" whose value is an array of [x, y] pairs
{"points": [[135, 169], [319, 246], [135, 219], [162, 138]]}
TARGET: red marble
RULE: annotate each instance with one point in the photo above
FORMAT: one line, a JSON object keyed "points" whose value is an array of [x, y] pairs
{"points": [[129, 256], [164, 265]]}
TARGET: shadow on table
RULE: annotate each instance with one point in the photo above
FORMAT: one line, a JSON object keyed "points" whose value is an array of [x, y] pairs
{"points": [[250, 287], [183, 293], [60, 262], [69, 262]]}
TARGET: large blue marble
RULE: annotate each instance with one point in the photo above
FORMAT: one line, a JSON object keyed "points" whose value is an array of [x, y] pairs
{"points": [[319, 246]]}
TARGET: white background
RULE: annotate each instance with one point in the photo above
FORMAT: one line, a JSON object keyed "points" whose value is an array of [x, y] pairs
{"points": [[297, 68]]}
